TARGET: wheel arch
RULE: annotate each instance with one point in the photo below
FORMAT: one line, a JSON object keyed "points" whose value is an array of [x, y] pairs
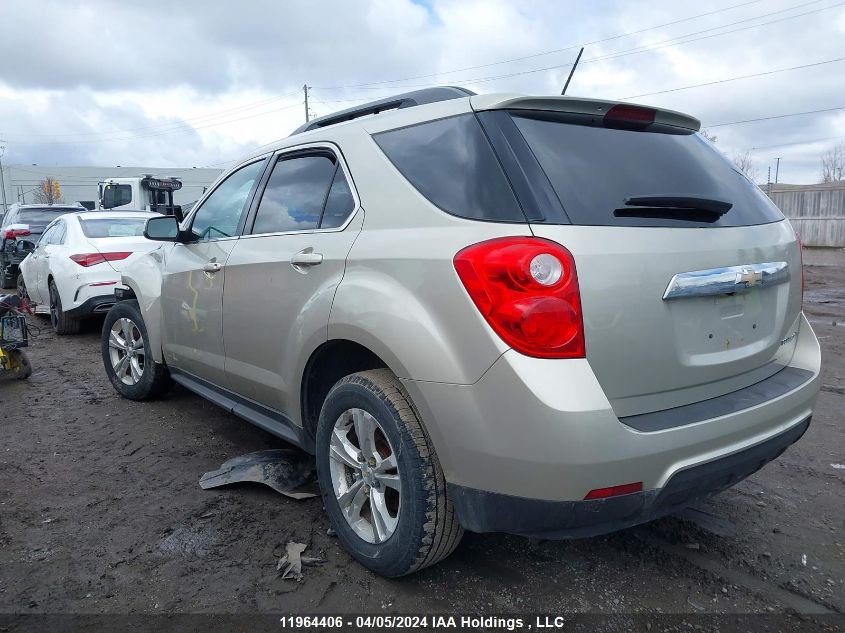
{"points": [[328, 363]]}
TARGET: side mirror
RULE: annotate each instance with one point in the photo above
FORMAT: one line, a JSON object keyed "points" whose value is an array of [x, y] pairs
{"points": [[163, 229], [24, 247]]}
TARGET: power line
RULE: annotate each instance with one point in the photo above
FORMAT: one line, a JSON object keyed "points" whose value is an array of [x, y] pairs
{"points": [[212, 115], [804, 142], [544, 53], [179, 130], [722, 81], [778, 116], [623, 53]]}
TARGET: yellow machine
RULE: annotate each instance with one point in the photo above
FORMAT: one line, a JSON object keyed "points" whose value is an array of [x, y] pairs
{"points": [[13, 336]]}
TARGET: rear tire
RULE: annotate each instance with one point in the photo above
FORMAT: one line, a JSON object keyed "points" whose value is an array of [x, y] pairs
{"points": [[421, 527], [127, 355], [6, 280], [61, 322], [22, 293]]}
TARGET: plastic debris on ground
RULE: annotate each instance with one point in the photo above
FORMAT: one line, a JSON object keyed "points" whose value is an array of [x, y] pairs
{"points": [[290, 472]]}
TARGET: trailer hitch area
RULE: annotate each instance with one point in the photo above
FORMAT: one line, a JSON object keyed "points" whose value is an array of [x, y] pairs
{"points": [[290, 472]]}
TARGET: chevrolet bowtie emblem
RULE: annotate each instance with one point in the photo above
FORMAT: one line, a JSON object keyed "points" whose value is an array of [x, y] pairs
{"points": [[749, 278]]}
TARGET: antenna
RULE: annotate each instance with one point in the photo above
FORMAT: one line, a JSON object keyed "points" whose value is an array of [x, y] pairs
{"points": [[572, 72]]}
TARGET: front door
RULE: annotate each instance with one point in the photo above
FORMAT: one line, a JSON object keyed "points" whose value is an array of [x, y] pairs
{"points": [[282, 275], [193, 277]]}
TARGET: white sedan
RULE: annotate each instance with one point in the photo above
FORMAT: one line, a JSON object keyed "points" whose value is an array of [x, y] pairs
{"points": [[77, 263]]}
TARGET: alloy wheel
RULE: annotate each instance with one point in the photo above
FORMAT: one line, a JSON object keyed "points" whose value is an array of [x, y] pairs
{"points": [[365, 475], [54, 307], [126, 351]]}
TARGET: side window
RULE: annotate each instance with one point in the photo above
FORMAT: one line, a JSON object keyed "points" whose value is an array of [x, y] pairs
{"points": [[339, 203], [59, 232], [451, 163], [116, 196], [295, 194], [221, 212], [47, 235]]}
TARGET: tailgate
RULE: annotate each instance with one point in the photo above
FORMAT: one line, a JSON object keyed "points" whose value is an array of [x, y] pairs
{"points": [[651, 353], [644, 201]]}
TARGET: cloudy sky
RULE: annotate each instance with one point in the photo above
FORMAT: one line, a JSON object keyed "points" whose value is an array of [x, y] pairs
{"points": [[198, 83]]}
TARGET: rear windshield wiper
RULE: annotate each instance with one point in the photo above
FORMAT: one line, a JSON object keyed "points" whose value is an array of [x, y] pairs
{"points": [[679, 207]]}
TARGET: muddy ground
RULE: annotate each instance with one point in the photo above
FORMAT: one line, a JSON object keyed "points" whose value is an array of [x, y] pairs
{"points": [[101, 512]]}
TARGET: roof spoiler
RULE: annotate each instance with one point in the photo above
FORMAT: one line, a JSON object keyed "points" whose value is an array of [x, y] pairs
{"points": [[406, 100], [594, 112]]}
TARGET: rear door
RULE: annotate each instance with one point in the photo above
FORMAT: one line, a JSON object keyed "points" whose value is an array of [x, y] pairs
{"points": [[193, 277], [282, 274], [629, 203], [49, 247], [35, 269]]}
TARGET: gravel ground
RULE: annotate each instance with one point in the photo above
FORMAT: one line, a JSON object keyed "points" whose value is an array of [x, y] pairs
{"points": [[101, 512]]}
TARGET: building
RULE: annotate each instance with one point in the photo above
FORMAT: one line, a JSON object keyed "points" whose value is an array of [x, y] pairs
{"points": [[79, 184]]}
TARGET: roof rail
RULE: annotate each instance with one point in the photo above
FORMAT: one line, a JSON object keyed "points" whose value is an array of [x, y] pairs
{"points": [[406, 100]]}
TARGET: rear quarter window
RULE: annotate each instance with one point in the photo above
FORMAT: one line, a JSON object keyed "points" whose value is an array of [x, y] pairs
{"points": [[451, 163]]}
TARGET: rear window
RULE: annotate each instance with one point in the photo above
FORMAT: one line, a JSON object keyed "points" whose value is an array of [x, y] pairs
{"points": [[593, 170], [450, 162], [114, 227], [40, 216]]}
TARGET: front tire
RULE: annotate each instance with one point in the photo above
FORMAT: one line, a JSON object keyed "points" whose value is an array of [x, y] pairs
{"points": [[381, 482], [59, 319], [127, 355]]}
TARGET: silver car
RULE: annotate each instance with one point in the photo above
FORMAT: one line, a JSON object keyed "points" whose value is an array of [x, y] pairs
{"points": [[546, 316]]}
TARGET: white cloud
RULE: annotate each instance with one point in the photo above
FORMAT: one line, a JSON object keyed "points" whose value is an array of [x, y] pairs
{"points": [[194, 83]]}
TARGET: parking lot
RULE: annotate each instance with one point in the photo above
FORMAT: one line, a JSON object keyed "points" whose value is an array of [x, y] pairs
{"points": [[101, 512]]}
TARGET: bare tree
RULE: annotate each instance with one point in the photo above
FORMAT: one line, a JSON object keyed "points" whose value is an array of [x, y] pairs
{"points": [[708, 135], [745, 164], [833, 164], [48, 191]]}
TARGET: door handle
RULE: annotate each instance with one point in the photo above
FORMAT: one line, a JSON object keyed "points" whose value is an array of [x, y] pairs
{"points": [[306, 258], [212, 267]]}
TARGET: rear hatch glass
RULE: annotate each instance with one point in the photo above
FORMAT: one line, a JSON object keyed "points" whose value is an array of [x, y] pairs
{"points": [[594, 170], [38, 219]]}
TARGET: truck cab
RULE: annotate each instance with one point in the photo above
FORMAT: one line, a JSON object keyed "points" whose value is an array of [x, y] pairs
{"points": [[147, 193]]}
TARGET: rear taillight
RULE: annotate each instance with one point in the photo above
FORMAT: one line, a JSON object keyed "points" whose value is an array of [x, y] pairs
{"points": [[12, 234], [629, 117], [527, 290], [91, 259]]}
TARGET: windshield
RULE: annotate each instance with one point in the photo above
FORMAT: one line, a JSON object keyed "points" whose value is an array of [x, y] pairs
{"points": [[594, 170], [113, 227]]}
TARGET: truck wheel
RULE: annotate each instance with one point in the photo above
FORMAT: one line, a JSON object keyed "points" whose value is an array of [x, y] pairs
{"points": [[381, 482], [127, 355], [61, 322]]}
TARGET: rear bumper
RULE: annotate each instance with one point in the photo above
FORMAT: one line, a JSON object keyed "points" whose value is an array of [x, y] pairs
{"points": [[92, 306], [482, 511], [536, 432]]}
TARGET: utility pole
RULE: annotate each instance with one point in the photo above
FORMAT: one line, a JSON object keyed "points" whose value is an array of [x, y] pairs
{"points": [[3, 177], [305, 88], [769, 181], [777, 169]]}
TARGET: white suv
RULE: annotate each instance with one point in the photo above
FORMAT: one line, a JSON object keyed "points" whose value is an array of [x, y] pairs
{"points": [[540, 315]]}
